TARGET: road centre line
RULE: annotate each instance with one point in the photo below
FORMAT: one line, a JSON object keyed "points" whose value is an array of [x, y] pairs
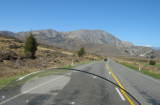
{"points": [[117, 80]]}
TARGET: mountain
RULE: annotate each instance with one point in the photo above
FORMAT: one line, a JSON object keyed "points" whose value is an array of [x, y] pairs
{"points": [[7, 33], [84, 36], [95, 41], [94, 37], [156, 48]]}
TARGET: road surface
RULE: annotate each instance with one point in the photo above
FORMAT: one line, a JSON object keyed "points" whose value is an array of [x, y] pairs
{"points": [[145, 88], [76, 88]]}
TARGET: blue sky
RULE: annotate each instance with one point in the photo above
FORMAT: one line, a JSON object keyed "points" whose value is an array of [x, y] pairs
{"points": [[137, 21]]}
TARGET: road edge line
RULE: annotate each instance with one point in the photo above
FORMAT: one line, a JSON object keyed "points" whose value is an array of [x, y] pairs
{"points": [[18, 95]]}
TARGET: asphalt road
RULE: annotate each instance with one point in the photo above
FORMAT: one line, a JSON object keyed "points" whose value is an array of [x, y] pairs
{"points": [[145, 88], [76, 88]]}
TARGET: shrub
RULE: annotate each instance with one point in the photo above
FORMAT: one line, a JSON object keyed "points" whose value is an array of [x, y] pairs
{"points": [[14, 46], [30, 46], [152, 62], [7, 55], [81, 52]]}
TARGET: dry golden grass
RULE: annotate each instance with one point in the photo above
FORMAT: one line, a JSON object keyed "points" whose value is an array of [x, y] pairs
{"points": [[47, 57], [143, 63]]}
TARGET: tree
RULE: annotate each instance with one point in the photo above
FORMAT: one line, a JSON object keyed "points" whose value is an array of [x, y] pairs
{"points": [[81, 52], [30, 46]]}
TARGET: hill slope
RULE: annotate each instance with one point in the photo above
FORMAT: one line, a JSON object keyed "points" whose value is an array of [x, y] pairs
{"points": [[13, 60], [95, 41]]}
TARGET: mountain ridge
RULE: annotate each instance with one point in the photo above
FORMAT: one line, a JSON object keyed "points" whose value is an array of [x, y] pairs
{"points": [[95, 41]]}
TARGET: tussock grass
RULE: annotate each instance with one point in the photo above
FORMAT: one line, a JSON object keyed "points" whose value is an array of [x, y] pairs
{"points": [[147, 72], [46, 57]]}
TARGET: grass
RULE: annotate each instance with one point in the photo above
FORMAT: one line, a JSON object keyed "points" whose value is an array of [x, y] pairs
{"points": [[72, 66], [68, 66], [149, 73], [6, 81], [129, 65], [157, 76], [81, 63], [158, 65], [49, 72]]}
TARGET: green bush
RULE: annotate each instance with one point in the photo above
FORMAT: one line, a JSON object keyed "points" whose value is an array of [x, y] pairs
{"points": [[81, 52], [30, 46], [152, 62]]}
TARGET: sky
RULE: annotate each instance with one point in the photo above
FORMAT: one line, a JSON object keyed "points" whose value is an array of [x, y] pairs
{"points": [[136, 21]]}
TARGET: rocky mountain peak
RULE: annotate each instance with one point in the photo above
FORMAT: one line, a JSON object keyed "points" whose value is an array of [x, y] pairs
{"points": [[95, 41]]}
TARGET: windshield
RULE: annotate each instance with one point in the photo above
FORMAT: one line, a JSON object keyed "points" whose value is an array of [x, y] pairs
{"points": [[79, 52]]}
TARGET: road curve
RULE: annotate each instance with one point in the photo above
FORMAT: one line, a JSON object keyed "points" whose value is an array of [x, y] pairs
{"points": [[76, 88]]}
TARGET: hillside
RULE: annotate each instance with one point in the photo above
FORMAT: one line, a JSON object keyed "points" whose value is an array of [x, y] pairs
{"points": [[14, 62], [95, 41]]}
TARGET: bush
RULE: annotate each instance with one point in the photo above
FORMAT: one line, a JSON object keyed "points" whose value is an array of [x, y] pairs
{"points": [[14, 46], [152, 62], [8, 55], [81, 52], [30, 46]]}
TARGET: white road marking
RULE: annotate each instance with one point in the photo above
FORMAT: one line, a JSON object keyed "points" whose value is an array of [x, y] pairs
{"points": [[120, 94], [3, 97], [27, 75], [94, 77], [18, 95], [73, 103], [69, 74], [27, 101], [110, 73]]}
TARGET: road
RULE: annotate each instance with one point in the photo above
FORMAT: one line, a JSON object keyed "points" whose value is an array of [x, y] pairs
{"points": [[145, 88], [76, 88]]}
